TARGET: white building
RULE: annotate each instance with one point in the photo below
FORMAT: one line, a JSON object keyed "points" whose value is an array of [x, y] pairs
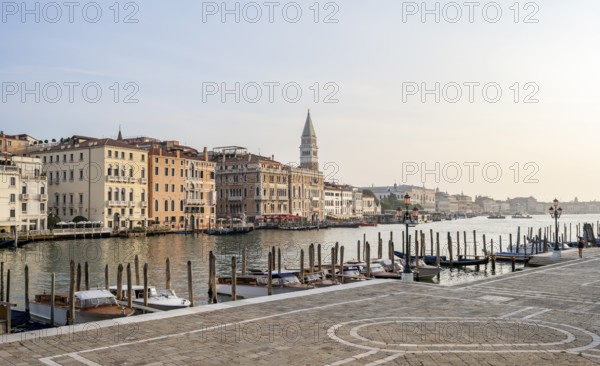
{"points": [[102, 180], [342, 201], [23, 195]]}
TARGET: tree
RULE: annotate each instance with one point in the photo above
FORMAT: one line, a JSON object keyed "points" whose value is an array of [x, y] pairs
{"points": [[79, 219], [53, 140], [45, 141], [53, 220]]}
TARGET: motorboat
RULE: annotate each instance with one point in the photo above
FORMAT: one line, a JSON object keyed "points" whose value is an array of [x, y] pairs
{"points": [[256, 284], [521, 216], [90, 306], [164, 300]]}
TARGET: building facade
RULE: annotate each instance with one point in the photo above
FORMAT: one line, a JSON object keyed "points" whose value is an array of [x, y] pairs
{"points": [[102, 180], [306, 193]]}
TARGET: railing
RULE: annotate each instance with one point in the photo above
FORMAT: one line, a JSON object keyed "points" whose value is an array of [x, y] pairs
{"points": [[194, 201], [234, 198], [81, 231], [143, 181], [143, 204], [24, 196], [40, 232], [117, 203], [9, 169], [43, 197]]}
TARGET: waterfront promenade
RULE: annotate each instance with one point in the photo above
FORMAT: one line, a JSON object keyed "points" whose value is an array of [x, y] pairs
{"points": [[540, 316]]}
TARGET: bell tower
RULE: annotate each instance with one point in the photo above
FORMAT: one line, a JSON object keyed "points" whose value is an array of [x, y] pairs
{"points": [[309, 157]]}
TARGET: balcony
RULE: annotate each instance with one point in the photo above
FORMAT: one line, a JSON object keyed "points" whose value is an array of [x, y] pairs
{"points": [[131, 204], [143, 204], [117, 203], [43, 197], [24, 197], [8, 169], [194, 201], [235, 198], [143, 181], [111, 178], [132, 180]]}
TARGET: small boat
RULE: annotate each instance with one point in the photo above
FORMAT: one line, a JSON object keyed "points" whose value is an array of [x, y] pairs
{"points": [[166, 300], [90, 306], [508, 256], [318, 279], [372, 224], [255, 284], [11, 243], [498, 216], [227, 231], [445, 262], [521, 216]]}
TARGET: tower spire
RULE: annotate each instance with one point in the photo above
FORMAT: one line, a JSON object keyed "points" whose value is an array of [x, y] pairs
{"points": [[309, 158], [120, 136]]}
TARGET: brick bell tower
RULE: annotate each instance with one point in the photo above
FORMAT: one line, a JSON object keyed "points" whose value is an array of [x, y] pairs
{"points": [[309, 157]]}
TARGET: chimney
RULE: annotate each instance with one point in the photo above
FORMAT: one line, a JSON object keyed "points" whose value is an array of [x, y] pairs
{"points": [[272, 157], [205, 153]]}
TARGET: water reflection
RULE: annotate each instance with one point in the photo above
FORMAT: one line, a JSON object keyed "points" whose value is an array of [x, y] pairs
{"points": [[44, 258]]}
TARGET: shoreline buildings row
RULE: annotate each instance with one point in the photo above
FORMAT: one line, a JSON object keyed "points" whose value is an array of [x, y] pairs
{"points": [[143, 181]]}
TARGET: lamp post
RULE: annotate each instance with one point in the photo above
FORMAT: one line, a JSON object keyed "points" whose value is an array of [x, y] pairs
{"points": [[409, 220], [555, 213]]}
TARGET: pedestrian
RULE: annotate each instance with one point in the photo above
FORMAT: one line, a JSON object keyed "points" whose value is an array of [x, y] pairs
{"points": [[580, 247]]}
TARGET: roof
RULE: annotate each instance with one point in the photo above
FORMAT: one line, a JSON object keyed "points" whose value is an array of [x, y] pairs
{"points": [[87, 142], [93, 294], [309, 129]]}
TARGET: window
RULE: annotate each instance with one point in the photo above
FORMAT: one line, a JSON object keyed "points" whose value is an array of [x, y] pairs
{"points": [[64, 199], [155, 170], [172, 172], [64, 176], [80, 174], [80, 156], [110, 194], [122, 194], [143, 199], [166, 188], [42, 207], [42, 190], [156, 187], [71, 198], [13, 197], [131, 172], [143, 157], [131, 195], [172, 205], [143, 172], [44, 160], [110, 153], [81, 198], [13, 181], [166, 205], [24, 189], [123, 155], [13, 213], [156, 205], [172, 187], [51, 159], [71, 157], [130, 156], [166, 172], [70, 175]]}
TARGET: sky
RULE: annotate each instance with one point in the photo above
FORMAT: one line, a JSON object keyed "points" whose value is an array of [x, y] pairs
{"points": [[517, 113]]}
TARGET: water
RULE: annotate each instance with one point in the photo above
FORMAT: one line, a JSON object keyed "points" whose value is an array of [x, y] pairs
{"points": [[43, 258]]}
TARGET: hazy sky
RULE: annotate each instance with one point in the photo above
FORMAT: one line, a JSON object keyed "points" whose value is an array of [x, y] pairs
{"points": [[364, 53]]}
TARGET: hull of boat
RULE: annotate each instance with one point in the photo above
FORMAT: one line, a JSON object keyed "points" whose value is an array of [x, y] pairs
{"points": [[427, 273], [41, 311], [168, 304], [248, 292]]}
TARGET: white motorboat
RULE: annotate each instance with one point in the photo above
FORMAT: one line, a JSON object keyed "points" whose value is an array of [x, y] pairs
{"points": [[90, 306], [165, 300], [255, 284]]}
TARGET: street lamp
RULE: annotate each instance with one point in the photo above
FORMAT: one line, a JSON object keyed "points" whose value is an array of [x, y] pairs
{"points": [[555, 213], [409, 219]]}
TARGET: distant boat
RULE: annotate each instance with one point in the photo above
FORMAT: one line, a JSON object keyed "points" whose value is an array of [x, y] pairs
{"points": [[498, 216], [521, 216]]}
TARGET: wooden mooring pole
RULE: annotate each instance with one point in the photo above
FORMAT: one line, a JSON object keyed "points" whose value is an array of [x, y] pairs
{"points": [[191, 281]]}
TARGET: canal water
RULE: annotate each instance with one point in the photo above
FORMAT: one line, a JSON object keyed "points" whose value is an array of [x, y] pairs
{"points": [[44, 258]]}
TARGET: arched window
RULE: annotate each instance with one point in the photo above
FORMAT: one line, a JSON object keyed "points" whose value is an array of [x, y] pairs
{"points": [[122, 194], [166, 205], [109, 171], [131, 194], [143, 195], [143, 172], [131, 172], [116, 171], [123, 171], [156, 205], [110, 194]]}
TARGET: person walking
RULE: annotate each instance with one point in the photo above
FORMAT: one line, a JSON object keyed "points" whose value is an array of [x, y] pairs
{"points": [[580, 247]]}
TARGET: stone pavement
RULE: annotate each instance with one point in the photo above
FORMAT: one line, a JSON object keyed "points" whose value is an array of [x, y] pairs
{"points": [[543, 316]]}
